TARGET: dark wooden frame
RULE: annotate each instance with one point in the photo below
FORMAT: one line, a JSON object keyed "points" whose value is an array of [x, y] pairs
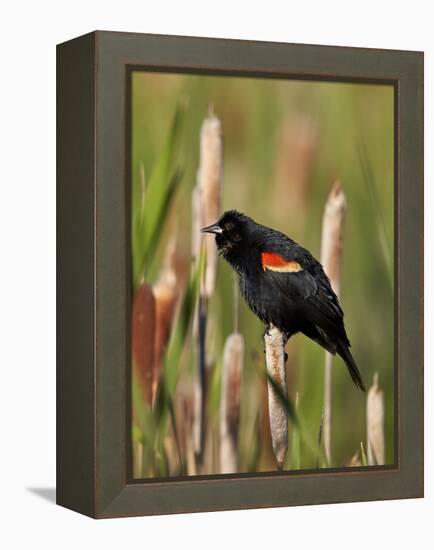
{"points": [[93, 476]]}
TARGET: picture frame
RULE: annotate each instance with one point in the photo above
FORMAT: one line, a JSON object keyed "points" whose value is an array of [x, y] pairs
{"points": [[93, 308]]}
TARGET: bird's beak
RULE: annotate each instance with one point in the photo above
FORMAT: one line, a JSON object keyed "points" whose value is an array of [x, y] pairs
{"points": [[213, 228]]}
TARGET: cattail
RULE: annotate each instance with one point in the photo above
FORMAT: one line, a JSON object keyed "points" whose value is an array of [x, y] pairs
{"points": [[209, 182], [296, 151], [142, 336], [275, 358], [355, 460], [266, 454], [375, 424], [230, 403], [206, 210], [331, 259], [190, 458], [363, 458], [197, 222], [166, 291], [332, 235], [183, 408], [138, 459]]}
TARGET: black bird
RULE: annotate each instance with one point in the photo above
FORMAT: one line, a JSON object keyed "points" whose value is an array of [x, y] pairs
{"points": [[283, 284]]}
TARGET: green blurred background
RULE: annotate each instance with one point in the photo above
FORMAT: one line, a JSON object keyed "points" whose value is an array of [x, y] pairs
{"points": [[285, 143]]}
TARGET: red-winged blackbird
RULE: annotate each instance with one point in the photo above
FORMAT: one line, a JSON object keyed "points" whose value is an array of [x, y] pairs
{"points": [[283, 284]]}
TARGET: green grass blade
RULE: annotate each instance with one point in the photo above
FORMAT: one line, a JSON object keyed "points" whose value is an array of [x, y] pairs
{"points": [[297, 421], [151, 246], [384, 239], [183, 322], [172, 358], [159, 180], [178, 336], [149, 215], [363, 455], [295, 459]]}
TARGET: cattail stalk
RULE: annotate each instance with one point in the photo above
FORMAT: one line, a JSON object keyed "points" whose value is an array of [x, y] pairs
{"points": [[363, 455], [166, 293], [200, 385], [375, 424], [190, 459], [142, 336], [138, 459], [275, 358], [355, 460], [331, 259], [206, 203], [184, 415], [230, 403]]}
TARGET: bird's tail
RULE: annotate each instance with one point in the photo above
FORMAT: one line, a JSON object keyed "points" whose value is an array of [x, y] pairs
{"points": [[344, 351]]}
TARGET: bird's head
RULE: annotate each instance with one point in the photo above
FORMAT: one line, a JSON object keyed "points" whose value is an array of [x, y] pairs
{"points": [[231, 230], [235, 238]]}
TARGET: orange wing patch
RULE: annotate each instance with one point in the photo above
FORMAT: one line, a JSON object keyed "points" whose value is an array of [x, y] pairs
{"points": [[275, 262]]}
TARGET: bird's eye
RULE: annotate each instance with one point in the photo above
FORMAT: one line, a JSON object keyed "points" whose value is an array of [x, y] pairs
{"points": [[229, 226]]}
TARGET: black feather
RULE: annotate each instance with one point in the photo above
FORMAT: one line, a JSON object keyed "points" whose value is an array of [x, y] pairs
{"points": [[301, 301]]}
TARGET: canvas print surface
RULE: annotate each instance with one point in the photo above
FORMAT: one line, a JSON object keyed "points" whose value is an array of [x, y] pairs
{"points": [[262, 263]]}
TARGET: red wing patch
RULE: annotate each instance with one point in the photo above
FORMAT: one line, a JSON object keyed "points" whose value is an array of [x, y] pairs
{"points": [[275, 262]]}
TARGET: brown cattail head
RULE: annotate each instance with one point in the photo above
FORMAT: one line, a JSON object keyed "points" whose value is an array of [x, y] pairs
{"points": [[331, 259], [233, 357], [296, 151], [142, 336], [209, 190], [375, 423], [332, 235], [206, 210], [183, 407], [275, 358]]}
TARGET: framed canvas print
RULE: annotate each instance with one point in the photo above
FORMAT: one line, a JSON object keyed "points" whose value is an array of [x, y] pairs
{"points": [[240, 274]]}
